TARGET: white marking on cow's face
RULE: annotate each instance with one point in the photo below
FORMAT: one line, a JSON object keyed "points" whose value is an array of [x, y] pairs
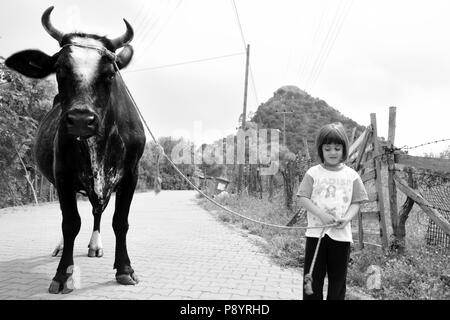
{"points": [[85, 61]]}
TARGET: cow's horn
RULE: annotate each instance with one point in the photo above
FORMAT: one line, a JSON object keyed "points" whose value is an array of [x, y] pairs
{"points": [[125, 38], [58, 35]]}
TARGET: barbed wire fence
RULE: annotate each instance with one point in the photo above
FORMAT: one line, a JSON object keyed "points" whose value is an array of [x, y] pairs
{"points": [[434, 187]]}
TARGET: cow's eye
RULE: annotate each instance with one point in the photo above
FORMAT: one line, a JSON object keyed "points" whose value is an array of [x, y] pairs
{"points": [[59, 71], [110, 76]]}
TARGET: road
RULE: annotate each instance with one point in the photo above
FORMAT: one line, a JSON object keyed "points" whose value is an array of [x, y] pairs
{"points": [[178, 250]]}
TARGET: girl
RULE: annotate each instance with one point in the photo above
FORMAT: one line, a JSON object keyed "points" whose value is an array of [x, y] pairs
{"points": [[331, 192]]}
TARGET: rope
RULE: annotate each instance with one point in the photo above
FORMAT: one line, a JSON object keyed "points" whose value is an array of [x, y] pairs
{"points": [[193, 185], [308, 278]]}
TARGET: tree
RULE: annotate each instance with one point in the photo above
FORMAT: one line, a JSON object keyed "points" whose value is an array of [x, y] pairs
{"points": [[23, 103], [288, 169]]}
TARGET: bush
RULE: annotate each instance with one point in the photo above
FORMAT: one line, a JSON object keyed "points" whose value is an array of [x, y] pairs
{"points": [[419, 274]]}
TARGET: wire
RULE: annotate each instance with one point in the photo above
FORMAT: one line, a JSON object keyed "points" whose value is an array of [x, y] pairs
{"points": [[147, 24], [252, 78], [165, 23], [330, 47], [324, 44], [239, 23], [183, 63], [145, 47], [423, 144], [307, 58], [253, 85], [140, 16]]}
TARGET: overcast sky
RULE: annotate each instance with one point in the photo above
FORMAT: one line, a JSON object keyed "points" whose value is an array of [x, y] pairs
{"points": [[360, 56]]}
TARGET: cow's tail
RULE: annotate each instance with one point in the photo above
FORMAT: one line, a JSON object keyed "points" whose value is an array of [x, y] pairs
{"points": [[157, 186]]}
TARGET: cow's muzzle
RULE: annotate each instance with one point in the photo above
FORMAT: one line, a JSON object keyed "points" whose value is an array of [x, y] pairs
{"points": [[81, 123]]}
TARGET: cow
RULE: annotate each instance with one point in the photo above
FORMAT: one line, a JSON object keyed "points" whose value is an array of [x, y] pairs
{"points": [[91, 141]]}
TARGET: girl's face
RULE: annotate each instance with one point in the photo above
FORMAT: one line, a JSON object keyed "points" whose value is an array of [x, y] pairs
{"points": [[332, 154]]}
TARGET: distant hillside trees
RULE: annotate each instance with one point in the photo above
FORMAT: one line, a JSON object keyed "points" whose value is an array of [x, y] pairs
{"points": [[309, 114], [154, 164]]}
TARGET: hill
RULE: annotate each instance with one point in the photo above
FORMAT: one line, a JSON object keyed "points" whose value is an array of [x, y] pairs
{"points": [[308, 115]]}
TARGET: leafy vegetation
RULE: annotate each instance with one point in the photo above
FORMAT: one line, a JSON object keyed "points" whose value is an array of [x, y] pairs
{"points": [[23, 103], [308, 115]]}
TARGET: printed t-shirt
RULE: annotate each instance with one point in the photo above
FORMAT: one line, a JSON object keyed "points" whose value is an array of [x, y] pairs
{"points": [[333, 192]]}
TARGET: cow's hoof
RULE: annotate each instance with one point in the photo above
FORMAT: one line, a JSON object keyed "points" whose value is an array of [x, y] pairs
{"points": [[55, 287], [62, 282], [127, 279], [126, 276], [95, 253]]}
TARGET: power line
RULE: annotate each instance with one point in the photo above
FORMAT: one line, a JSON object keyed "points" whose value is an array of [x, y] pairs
{"points": [[161, 29], [239, 23], [152, 20], [330, 47], [323, 45], [164, 24], [307, 58], [140, 16], [146, 24], [245, 47], [149, 25], [183, 63]]}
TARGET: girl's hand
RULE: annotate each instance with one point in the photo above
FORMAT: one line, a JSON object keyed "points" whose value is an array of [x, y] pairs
{"points": [[341, 223], [327, 219]]}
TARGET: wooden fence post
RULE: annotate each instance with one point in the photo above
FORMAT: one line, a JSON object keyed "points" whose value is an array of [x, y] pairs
{"points": [[392, 189], [352, 136], [399, 243], [361, 153], [378, 183], [305, 144]]}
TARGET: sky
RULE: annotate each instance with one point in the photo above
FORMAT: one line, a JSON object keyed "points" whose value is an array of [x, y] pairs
{"points": [[188, 72]]}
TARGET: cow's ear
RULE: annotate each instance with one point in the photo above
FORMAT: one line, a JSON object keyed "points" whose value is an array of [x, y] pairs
{"points": [[31, 63], [123, 58]]}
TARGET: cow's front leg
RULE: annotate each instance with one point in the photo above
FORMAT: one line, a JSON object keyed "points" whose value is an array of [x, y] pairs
{"points": [[124, 272], [95, 244], [71, 223]]}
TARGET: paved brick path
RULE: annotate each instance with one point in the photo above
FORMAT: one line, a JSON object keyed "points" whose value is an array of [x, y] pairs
{"points": [[178, 250]]}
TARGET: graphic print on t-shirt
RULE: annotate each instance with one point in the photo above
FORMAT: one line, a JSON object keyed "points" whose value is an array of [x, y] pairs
{"points": [[332, 195]]}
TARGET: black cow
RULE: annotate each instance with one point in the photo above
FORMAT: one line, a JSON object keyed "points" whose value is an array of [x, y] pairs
{"points": [[91, 140]]}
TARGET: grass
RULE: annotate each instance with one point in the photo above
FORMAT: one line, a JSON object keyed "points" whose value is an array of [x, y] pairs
{"points": [[285, 246], [421, 273]]}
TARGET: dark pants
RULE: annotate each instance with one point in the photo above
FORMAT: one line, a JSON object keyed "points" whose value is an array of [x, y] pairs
{"points": [[332, 259]]}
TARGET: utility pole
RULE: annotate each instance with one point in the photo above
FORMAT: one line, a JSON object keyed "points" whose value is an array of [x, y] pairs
{"points": [[244, 115], [284, 123]]}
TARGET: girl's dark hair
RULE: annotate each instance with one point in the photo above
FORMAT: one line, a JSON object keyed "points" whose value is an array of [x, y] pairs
{"points": [[333, 133]]}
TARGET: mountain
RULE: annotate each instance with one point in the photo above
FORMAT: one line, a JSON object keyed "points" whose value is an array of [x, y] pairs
{"points": [[306, 115]]}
